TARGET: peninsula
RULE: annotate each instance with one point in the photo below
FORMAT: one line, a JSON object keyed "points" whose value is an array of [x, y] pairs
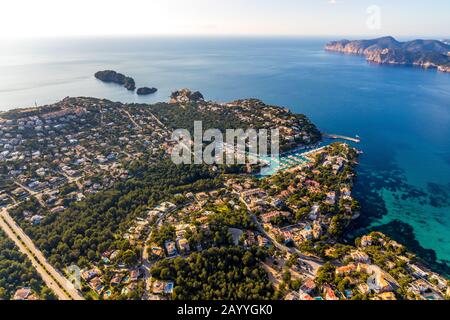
{"points": [[428, 54], [89, 182]]}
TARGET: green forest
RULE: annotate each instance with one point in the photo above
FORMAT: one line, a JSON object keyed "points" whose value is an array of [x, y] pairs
{"points": [[90, 227], [226, 273], [16, 272]]}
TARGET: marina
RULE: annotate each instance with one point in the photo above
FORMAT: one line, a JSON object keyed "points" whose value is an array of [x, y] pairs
{"points": [[296, 157], [300, 156]]}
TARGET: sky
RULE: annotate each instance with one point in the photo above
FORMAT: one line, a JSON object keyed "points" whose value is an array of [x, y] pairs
{"points": [[56, 18]]}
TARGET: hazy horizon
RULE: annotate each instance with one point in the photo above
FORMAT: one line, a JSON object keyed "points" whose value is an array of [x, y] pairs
{"points": [[323, 18], [232, 36]]}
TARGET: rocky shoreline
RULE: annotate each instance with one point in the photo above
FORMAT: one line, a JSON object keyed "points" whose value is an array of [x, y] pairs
{"points": [[428, 54]]}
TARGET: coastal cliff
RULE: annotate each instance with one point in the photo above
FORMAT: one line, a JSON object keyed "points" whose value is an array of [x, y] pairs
{"points": [[387, 50]]}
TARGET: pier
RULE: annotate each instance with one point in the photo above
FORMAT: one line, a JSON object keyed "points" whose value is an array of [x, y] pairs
{"points": [[336, 136]]}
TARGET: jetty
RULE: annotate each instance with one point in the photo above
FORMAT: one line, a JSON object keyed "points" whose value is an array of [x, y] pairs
{"points": [[337, 136]]}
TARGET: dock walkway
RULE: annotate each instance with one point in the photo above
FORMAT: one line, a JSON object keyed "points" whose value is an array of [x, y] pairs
{"points": [[337, 136]]}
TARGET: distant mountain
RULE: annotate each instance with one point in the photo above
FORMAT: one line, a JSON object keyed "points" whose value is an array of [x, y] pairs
{"points": [[387, 50]]}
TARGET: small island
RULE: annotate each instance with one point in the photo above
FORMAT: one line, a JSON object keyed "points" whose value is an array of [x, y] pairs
{"points": [[428, 54], [111, 76], [145, 91]]}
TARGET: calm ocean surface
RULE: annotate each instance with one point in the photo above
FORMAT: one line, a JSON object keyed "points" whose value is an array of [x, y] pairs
{"points": [[402, 114]]}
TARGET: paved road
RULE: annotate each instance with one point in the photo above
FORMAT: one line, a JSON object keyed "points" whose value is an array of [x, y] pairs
{"points": [[146, 265], [72, 179], [313, 263], [132, 120], [54, 280], [37, 195], [159, 121], [61, 295]]}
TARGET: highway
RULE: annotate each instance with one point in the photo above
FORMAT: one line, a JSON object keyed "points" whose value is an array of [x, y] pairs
{"points": [[61, 286]]}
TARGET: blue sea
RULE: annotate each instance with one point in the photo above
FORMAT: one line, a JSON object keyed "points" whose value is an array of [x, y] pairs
{"points": [[402, 114]]}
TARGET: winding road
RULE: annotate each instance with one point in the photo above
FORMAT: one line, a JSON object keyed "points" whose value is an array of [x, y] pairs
{"points": [[313, 263]]}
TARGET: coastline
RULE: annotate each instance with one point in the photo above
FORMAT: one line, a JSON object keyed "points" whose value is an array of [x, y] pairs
{"points": [[389, 51], [416, 90]]}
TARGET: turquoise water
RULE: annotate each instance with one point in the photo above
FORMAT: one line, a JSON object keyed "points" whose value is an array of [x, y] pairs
{"points": [[402, 114], [287, 160]]}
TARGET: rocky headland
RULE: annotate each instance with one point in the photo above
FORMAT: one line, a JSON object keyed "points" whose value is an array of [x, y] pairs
{"points": [[387, 50], [185, 95]]}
